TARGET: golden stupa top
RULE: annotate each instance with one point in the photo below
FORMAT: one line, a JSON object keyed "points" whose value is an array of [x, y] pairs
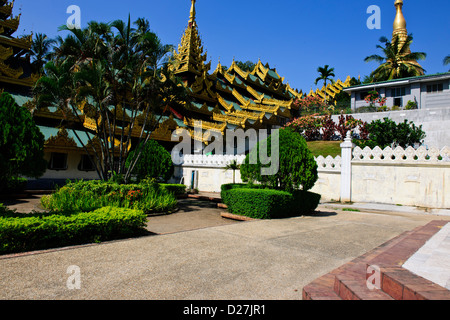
{"points": [[192, 15], [399, 22]]}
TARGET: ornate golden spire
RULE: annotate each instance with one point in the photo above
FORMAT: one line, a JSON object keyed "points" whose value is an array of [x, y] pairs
{"points": [[399, 23], [190, 56], [192, 16]]}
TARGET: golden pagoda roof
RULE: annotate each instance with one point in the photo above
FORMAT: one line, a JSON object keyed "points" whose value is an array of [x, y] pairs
{"points": [[232, 97], [12, 50], [332, 89]]}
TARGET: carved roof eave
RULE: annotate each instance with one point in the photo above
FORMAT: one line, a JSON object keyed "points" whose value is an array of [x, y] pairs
{"points": [[7, 9], [203, 110], [22, 43], [58, 114], [61, 141], [12, 23]]}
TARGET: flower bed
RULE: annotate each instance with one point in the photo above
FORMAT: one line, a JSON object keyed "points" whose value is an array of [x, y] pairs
{"points": [[85, 196]]}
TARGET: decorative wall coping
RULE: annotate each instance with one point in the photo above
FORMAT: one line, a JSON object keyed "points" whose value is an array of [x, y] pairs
{"points": [[213, 161], [329, 163], [400, 155]]}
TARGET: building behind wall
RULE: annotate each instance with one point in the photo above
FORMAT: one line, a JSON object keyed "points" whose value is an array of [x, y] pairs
{"points": [[428, 91]]}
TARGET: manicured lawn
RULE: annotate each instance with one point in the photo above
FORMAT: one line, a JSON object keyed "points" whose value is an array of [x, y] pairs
{"points": [[325, 148]]}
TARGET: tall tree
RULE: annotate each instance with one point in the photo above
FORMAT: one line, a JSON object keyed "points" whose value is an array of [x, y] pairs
{"points": [[325, 74], [246, 66], [397, 60], [447, 60], [116, 85], [41, 49], [21, 142]]}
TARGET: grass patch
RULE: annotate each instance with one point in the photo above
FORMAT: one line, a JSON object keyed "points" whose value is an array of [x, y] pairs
{"points": [[350, 209], [325, 148]]}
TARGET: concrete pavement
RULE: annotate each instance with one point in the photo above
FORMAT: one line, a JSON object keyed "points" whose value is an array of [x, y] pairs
{"points": [[267, 260]]}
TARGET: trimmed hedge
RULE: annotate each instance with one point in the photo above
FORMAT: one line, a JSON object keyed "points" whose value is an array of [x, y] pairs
{"points": [[255, 201], [258, 204], [176, 189], [19, 233]]}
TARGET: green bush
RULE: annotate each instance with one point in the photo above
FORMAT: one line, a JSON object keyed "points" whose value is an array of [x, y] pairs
{"points": [[297, 166], [304, 202], [258, 204], [155, 162], [255, 202], [229, 186], [176, 189], [87, 196], [388, 133], [20, 233], [21, 142]]}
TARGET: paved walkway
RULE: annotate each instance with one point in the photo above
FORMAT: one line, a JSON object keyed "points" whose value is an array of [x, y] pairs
{"points": [[219, 260], [432, 261]]}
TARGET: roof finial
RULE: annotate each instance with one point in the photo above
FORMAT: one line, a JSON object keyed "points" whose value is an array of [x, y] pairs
{"points": [[400, 22], [192, 16]]}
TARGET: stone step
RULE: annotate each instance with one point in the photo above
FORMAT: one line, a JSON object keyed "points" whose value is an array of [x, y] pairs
{"points": [[401, 284], [321, 289], [349, 282]]}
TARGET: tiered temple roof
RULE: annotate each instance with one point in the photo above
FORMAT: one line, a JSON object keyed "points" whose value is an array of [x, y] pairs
{"points": [[233, 98], [332, 89], [223, 99], [14, 63]]}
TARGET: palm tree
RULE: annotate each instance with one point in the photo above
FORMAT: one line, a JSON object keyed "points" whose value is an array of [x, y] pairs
{"points": [[397, 60], [447, 60], [41, 52], [326, 74], [116, 78], [233, 165]]}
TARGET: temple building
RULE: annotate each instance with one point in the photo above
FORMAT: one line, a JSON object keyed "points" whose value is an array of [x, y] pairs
{"points": [[228, 99], [15, 69], [221, 99]]}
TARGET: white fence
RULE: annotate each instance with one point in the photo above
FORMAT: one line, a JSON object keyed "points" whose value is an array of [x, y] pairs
{"points": [[392, 176]]}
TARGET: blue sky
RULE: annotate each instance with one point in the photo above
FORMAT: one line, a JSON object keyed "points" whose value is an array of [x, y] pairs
{"points": [[294, 36]]}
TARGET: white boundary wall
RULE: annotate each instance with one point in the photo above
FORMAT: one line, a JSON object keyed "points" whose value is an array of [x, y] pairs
{"points": [[391, 176]]}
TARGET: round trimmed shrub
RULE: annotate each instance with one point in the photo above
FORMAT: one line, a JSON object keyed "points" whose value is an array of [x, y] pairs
{"points": [[297, 166]]}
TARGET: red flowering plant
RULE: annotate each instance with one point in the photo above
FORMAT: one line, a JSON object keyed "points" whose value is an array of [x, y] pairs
{"points": [[134, 195], [374, 98], [309, 126], [347, 123], [310, 104]]}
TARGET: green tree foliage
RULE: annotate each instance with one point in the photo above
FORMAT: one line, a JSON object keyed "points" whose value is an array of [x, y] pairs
{"points": [[388, 133], [41, 51], [118, 76], [246, 66], [297, 166], [154, 163], [21, 142], [397, 61], [447, 60], [325, 74]]}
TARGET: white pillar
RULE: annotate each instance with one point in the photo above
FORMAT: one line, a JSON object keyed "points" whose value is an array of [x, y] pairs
{"points": [[346, 168]]}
